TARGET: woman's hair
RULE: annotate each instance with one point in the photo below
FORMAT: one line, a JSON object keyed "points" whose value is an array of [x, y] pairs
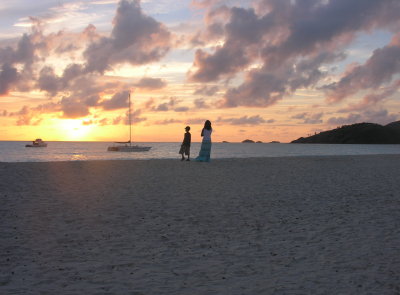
{"points": [[207, 125]]}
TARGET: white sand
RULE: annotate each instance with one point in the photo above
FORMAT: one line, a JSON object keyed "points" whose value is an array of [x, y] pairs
{"points": [[306, 225]]}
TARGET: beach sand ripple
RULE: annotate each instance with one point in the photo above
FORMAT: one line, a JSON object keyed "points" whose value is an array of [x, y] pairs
{"points": [[301, 225]]}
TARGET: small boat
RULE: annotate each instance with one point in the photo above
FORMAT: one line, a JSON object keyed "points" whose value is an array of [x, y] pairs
{"points": [[37, 143], [127, 145]]}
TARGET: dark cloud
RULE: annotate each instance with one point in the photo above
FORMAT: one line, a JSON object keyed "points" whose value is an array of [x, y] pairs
{"points": [[117, 101], [195, 121], [259, 89], [48, 81], [181, 109], [308, 118], [211, 67], [206, 90], [245, 120], [73, 108], [16, 65], [167, 122], [373, 99], [135, 118], [350, 119], [8, 78], [291, 41], [200, 103], [162, 107], [136, 39], [24, 53], [151, 83], [372, 116], [379, 69], [71, 72]]}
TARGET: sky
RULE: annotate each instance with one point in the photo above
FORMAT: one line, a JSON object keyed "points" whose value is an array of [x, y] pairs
{"points": [[266, 70]]}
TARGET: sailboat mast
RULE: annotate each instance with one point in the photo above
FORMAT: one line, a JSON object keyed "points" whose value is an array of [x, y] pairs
{"points": [[130, 125]]}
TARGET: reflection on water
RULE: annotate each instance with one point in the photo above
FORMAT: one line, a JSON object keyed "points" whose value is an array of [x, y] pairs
{"points": [[12, 151], [78, 157]]}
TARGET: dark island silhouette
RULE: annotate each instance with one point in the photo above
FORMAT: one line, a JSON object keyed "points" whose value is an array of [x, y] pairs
{"points": [[359, 133]]}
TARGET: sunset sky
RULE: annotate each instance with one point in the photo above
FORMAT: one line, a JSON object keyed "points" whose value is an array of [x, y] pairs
{"points": [[269, 70]]}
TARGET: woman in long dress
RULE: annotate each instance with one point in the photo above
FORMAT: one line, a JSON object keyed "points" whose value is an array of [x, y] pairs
{"points": [[205, 150]]}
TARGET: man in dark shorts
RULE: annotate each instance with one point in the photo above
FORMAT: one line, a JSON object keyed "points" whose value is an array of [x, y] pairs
{"points": [[185, 147]]}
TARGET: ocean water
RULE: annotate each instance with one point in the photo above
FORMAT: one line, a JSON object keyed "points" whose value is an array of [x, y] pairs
{"points": [[15, 151]]}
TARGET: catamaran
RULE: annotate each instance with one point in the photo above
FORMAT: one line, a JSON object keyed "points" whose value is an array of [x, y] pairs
{"points": [[127, 146]]}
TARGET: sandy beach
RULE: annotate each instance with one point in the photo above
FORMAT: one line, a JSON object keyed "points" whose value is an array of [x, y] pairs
{"points": [[301, 225]]}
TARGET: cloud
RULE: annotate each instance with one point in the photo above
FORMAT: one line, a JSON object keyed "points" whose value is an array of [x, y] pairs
{"points": [[181, 109], [8, 78], [167, 122], [151, 83], [373, 99], [117, 101], [200, 103], [211, 67], [136, 39], [195, 121], [73, 108], [24, 53], [162, 107], [378, 116], [48, 81], [281, 46], [379, 69], [245, 120], [26, 116], [135, 118], [260, 89], [206, 90], [309, 118]]}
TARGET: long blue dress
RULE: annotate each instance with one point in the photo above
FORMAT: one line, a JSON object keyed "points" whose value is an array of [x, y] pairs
{"points": [[205, 151]]}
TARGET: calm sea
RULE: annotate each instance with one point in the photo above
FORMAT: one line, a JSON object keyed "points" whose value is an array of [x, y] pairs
{"points": [[15, 151]]}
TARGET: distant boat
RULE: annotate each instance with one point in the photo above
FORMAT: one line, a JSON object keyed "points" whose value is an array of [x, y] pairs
{"points": [[38, 142], [127, 145]]}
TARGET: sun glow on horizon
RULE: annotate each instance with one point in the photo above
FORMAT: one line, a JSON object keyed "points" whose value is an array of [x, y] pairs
{"points": [[66, 69], [74, 129]]}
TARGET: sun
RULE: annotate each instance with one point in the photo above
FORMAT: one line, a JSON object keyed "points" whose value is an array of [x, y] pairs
{"points": [[75, 130]]}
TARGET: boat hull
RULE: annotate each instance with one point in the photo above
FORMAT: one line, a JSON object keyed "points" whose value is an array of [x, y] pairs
{"points": [[134, 148], [36, 145]]}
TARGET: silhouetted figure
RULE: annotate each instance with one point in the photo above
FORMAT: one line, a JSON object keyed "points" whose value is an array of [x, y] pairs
{"points": [[185, 147], [205, 150]]}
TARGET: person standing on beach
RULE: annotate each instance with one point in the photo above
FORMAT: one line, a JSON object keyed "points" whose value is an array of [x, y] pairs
{"points": [[185, 147], [205, 149]]}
